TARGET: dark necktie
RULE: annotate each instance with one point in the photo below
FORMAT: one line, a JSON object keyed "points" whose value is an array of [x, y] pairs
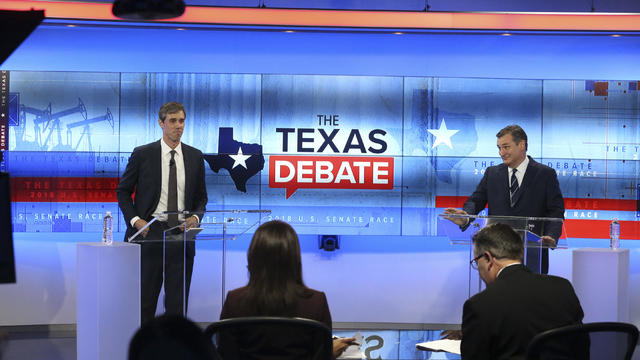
{"points": [[172, 200], [514, 186]]}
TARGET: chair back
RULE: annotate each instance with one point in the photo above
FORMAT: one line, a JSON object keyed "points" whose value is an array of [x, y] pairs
{"points": [[265, 337], [599, 340]]}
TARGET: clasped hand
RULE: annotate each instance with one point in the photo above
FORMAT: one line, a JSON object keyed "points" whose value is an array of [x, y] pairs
{"points": [[189, 223]]}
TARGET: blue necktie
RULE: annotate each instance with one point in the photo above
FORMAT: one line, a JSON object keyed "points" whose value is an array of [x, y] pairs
{"points": [[513, 188]]}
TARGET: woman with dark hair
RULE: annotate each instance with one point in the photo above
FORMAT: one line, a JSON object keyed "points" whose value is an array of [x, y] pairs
{"points": [[275, 285]]}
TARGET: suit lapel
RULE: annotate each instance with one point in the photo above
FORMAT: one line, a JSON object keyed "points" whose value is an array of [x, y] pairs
{"points": [[503, 172], [188, 164], [156, 166]]}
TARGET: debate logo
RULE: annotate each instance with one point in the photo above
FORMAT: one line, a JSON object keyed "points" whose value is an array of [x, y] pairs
{"points": [[241, 160], [338, 171], [330, 172]]}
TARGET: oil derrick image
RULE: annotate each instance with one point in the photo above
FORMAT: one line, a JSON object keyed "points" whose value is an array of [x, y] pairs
{"points": [[86, 130], [46, 132], [53, 125], [41, 116]]}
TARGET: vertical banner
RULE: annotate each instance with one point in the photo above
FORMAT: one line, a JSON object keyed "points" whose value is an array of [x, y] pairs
{"points": [[4, 109], [4, 116]]}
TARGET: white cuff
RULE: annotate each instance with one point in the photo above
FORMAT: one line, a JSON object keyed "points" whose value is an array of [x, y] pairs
{"points": [[133, 221]]}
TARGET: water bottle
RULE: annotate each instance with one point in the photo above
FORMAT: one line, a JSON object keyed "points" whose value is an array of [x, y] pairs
{"points": [[614, 234], [107, 229]]}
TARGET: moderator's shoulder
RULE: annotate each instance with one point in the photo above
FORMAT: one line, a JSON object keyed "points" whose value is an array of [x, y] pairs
{"points": [[479, 297], [314, 295], [317, 293], [472, 304], [556, 280], [237, 293]]}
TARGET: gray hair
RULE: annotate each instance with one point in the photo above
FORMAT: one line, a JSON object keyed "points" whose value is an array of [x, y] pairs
{"points": [[500, 240]]}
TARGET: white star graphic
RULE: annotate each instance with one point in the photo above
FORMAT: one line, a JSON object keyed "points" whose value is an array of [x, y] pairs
{"points": [[443, 135], [239, 158]]}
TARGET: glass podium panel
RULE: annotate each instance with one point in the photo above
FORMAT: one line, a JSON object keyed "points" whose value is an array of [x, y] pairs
{"points": [[176, 248], [533, 231]]}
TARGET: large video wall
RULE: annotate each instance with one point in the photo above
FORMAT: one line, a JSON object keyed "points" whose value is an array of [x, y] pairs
{"points": [[345, 155]]}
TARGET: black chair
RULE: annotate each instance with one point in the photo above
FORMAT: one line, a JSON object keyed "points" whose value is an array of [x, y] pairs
{"points": [[599, 340], [266, 337]]}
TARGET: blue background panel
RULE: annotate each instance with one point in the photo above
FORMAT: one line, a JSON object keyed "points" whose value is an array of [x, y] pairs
{"points": [[440, 133]]}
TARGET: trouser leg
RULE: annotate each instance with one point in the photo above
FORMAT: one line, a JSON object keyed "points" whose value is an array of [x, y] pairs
{"points": [[178, 271], [150, 279], [537, 260]]}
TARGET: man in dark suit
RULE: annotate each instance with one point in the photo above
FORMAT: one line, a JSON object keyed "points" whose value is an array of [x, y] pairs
{"points": [[519, 186], [165, 175], [499, 322]]}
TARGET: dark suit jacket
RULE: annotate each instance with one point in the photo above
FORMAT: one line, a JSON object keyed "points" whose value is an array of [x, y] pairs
{"points": [[539, 195], [281, 343], [143, 176], [499, 322]]}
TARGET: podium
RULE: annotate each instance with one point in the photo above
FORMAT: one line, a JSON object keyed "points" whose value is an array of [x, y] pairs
{"points": [[531, 230], [601, 280], [108, 309], [176, 247]]}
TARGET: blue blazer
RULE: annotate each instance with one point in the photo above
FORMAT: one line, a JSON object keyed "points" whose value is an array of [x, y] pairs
{"points": [[539, 195]]}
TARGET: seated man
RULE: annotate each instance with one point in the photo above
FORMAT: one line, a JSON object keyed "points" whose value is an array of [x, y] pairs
{"points": [[499, 322]]}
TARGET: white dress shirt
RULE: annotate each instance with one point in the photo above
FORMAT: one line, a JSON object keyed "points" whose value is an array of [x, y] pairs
{"points": [[520, 173]]}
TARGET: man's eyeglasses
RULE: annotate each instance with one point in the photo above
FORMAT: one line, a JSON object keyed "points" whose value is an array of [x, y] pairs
{"points": [[474, 262]]}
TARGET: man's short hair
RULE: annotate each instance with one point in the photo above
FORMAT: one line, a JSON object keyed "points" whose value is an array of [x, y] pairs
{"points": [[170, 108], [516, 133], [500, 240]]}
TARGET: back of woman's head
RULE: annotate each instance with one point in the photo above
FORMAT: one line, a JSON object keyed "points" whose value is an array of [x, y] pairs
{"points": [[171, 337], [275, 268]]}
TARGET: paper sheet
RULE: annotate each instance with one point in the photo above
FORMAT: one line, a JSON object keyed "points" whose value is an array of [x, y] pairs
{"points": [[354, 351], [450, 346]]}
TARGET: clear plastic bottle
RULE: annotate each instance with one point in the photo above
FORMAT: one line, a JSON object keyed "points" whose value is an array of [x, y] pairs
{"points": [[107, 229], [614, 234]]}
